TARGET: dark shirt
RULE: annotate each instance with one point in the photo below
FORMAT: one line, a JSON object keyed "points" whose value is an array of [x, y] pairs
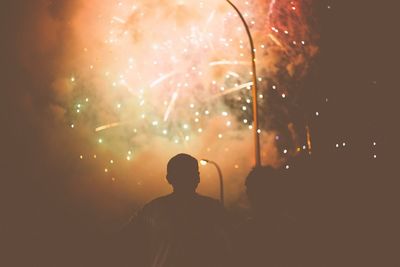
{"points": [[177, 230]]}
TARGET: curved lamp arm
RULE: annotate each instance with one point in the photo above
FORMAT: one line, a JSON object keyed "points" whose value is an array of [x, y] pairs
{"points": [[221, 179], [257, 155]]}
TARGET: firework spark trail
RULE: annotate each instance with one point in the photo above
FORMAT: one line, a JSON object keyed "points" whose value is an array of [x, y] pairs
{"points": [[275, 40], [309, 143], [171, 105], [234, 89], [117, 19], [161, 79], [271, 10], [228, 62], [108, 126], [210, 18], [234, 74]]}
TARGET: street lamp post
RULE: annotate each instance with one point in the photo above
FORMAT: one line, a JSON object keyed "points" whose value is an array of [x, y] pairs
{"points": [[221, 179], [254, 91]]}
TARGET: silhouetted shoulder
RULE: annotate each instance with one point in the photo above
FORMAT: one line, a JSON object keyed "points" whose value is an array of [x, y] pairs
{"points": [[208, 200], [157, 202], [157, 205]]}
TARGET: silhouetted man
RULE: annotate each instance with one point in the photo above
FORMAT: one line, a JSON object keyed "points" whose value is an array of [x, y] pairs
{"points": [[269, 237], [180, 229]]}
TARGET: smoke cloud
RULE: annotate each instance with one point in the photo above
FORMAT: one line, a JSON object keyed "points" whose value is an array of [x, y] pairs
{"points": [[155, 79]]}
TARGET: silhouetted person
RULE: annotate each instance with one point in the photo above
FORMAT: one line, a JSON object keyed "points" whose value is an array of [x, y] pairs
{"points": [[269, 237], [180, 229]]}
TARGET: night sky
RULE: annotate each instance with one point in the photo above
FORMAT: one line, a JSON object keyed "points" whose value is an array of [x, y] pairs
{"points": [[47, 219]]}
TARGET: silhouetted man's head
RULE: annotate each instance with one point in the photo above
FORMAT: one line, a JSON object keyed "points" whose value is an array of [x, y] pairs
{"points": [[183, 173], [264, 189]]}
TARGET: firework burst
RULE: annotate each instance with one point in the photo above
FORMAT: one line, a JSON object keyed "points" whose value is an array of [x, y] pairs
{"points": [[169, 69]]}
